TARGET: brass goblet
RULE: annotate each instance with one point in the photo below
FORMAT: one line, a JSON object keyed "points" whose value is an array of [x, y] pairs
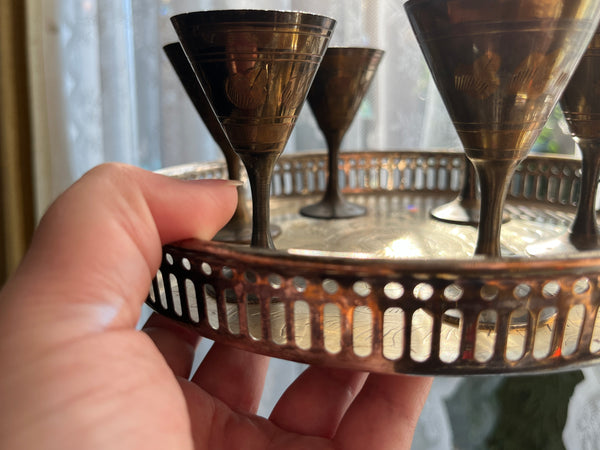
{"points": [[256, 68], [581, 106], [239, 228], [340, 85], [500, 67]]}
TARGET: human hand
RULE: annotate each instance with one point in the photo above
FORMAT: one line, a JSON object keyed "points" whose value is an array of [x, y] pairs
{"points": [[77, 374]]}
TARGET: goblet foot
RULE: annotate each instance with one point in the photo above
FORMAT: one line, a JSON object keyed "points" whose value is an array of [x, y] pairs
{"points": [[458, 212], [333, 210], [235, 233], [461, 212]]}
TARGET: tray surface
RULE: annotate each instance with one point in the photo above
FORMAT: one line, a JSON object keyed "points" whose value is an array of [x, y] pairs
{"points": [[395, 291]]}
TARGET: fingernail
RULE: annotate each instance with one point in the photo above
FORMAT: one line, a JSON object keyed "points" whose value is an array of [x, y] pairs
{"points": [[236, 183], [223, 182]]}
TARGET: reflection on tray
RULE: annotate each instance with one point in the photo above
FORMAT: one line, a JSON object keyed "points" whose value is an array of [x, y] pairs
{"points": [[399, 227]]}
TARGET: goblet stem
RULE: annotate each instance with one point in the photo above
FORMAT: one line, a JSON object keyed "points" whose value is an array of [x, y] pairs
{"points": [[259, 167], [234, 166], [332, 205], [494, 179], [468, 191], [584, 230], [332, 191]]}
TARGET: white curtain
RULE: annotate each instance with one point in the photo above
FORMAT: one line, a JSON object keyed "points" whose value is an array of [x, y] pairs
{"points": [[103, 91]]}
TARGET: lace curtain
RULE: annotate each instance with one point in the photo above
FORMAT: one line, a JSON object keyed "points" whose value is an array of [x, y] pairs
{"points": [[111, 95], [103, 91]]}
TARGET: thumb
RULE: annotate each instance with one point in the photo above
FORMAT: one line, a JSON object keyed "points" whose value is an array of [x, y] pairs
{"points": [[97, 248]]}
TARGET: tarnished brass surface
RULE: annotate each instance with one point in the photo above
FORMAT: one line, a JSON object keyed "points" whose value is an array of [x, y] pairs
{"points": [[581, 100], [500, 67], [256, 68], [581, 106], [402, 293], [239, 228], [340, 85]]}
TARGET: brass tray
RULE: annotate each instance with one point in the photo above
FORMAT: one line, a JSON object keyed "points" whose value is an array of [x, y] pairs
{"points": [[395, 291]]}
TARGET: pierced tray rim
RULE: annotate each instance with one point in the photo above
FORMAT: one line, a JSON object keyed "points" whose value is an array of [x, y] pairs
{"points": [[472, 274]]}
